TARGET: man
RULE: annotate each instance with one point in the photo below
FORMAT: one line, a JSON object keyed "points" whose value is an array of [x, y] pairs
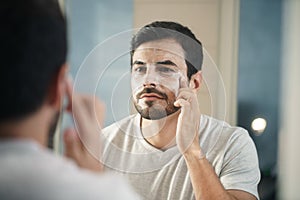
{"points": [[33, 83], [169, 150]]}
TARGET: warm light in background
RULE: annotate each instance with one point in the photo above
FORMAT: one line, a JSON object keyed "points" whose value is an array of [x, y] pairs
{"points": [[259, 125]]}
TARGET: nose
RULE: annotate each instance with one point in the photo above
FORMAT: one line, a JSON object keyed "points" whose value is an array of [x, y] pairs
{"points": [[149, 85], [151, 79]]}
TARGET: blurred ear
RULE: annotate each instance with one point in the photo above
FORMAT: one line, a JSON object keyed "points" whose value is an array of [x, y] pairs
{"points": [[57, 87], [196, 81]]}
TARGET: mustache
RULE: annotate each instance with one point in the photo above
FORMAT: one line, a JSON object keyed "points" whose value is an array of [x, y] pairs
{"points": [[151, 90]]}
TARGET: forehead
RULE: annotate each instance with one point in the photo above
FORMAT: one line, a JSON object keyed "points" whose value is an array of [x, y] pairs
{"points": [[159, 49]]}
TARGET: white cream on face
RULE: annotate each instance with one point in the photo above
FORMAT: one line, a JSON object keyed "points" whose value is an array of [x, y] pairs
{"points": [[153, 74], [150, 60]]}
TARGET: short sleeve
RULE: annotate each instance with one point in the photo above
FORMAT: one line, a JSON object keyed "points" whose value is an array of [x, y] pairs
{"points": [[240, 169]]}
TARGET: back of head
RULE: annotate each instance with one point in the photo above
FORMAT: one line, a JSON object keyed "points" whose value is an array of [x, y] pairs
{"points": [[171, 30], [33, 48]]}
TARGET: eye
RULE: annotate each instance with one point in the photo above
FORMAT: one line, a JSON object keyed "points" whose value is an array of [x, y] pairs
{"points": [[166, 70], [140, 70]]}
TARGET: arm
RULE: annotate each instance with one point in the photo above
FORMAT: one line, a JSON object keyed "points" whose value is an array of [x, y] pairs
{"points": [[83, 145], [205, 182]]}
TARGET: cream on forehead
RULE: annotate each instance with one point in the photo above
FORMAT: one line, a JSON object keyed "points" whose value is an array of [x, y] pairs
{"points": [[170, 46]]}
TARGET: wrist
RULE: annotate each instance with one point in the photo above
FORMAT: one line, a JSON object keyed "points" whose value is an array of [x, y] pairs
{"points": [[194, 153]]}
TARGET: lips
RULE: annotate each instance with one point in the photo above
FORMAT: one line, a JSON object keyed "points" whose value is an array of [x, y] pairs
{"points": [[150, 95]]}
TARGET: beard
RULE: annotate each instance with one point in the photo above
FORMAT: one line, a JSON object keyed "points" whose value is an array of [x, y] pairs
{"points": [[52, 129], [154, 110]]}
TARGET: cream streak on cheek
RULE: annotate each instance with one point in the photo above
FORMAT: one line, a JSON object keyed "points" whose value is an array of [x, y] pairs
{"points": [[173, 83]]}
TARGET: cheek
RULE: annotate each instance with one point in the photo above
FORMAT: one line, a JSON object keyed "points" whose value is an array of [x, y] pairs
{"points": [[171, 84], [136, 85]]}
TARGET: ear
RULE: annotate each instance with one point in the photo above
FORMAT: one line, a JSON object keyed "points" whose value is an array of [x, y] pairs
{"points": [[196, 81], [57, 87]]}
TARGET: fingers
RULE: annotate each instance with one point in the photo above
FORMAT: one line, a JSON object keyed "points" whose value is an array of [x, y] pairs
{"points": [[83, 144], [183, 82], [99, 111], [69, 92], [75, 150], [181, 103], [185, 94], [84, 107], [88, 115], [188, 119], [72, 144]]}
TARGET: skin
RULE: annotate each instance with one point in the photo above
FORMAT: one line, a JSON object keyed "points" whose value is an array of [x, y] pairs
{"points": [[83, 143], [152, 60], [180, 127]]}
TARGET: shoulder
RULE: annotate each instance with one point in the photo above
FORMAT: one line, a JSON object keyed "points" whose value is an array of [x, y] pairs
{"points": [[213, 124], [232, 152], [217, 135]]}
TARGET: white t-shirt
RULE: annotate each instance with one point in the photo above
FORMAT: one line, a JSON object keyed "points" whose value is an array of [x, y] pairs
{"points": [[157, 174], [31, 172]]}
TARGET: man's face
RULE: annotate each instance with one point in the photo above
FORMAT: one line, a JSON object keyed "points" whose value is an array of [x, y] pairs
{"points": [[157, 69]]}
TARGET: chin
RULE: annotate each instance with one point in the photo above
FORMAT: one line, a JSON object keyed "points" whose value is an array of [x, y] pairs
{"points": [[155, 111]]}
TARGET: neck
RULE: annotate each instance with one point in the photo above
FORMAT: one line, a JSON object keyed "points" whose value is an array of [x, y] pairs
{"points": [[34, 127], [160, 133]]}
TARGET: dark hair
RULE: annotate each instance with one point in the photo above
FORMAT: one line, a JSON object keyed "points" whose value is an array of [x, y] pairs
{"points": [[183, 35], [33, 48]]}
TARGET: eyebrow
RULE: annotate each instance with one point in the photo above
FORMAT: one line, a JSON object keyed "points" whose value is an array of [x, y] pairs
{"points": [[164, 62], [138, 62]]}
